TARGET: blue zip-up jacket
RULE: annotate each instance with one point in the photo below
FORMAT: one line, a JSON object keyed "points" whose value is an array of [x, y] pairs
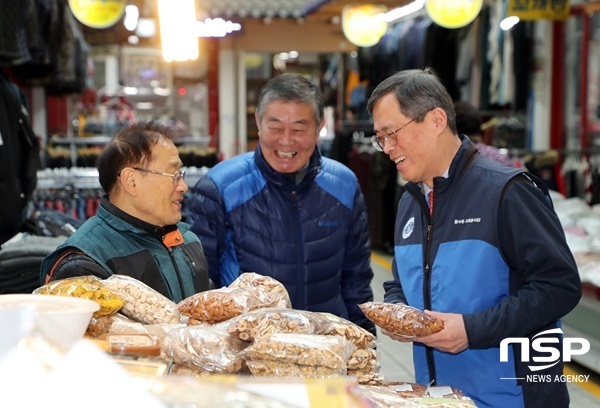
{"points": [[494, 251], [313, 237], [119, 243]]}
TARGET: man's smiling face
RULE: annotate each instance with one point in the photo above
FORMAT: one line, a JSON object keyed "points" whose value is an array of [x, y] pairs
{"points": [[288, 135]]}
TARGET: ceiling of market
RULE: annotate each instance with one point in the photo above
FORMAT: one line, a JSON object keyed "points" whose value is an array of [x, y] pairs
{"points": [[323, 10]]}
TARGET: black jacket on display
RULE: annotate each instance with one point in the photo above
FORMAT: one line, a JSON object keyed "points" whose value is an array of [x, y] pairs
{"points": [[19, 159]]}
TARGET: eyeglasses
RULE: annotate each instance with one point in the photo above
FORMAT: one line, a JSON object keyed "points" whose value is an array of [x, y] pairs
{"points": [[389, 139], [179, 175]]}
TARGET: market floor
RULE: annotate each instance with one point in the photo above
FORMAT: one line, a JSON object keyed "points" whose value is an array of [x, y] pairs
{"points": [[396, 357]]}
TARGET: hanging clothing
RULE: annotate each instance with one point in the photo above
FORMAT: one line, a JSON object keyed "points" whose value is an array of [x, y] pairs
{"points": [[19, 159]]}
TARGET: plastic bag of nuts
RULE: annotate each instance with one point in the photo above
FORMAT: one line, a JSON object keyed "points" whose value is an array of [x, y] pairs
{"points": [[282, 369], [205, 348], [363, 360], [270, 290], [142, 303], [103, 324], [339, 326], [301, 349], [401, 319], [218, 305], [261, 322], [88, 287]]}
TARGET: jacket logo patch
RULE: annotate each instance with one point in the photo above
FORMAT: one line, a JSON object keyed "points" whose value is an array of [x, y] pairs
{"points": [[467, 221], [327, 223], [408, 228]]}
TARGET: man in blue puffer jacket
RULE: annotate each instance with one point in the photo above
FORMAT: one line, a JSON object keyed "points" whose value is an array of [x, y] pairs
{"points": [[287, 212], [479, 246]]}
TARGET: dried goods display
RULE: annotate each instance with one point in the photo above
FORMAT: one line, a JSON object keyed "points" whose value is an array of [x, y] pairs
{"points": [[309, 350], [208, 349], [88, 287], [261, 322], [142, 303], [273, 291]]}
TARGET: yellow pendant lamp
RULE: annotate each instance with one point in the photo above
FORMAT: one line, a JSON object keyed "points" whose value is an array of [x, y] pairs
{"points": [[453, 13], [98, 14], [363, 24]]}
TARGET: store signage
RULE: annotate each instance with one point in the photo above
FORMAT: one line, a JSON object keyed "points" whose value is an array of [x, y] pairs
{"points": [[544, 345], [538, 9], [98, 13]]}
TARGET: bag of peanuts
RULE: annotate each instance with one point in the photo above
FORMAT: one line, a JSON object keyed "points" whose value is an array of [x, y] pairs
{"points": [[261, 322], [401, 319], [207, 349], [142, 303], [88, 287], [270, 290], [284, 352]]}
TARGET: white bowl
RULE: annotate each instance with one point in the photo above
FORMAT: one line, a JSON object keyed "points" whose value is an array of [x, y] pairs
{"points": [[62, 320]]}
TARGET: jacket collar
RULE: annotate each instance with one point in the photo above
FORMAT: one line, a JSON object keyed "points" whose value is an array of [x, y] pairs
{"points": [[151, 229], [464, 157]]}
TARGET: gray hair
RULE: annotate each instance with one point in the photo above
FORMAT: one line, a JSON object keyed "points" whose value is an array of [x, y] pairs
{"points": [[291, 88], [417, 92]]}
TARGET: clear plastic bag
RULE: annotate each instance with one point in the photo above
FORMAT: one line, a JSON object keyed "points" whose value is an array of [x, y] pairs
{"points": [[142, 303], [270, 290], [88, 287], [302, 349], [339, 326], [205, 348], [262, 322], [401, 319]]}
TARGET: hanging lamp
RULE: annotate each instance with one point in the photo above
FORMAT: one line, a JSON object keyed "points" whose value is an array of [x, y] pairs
{"points": [[363, 24], [454, 13], [98, 14], [178, 32]]}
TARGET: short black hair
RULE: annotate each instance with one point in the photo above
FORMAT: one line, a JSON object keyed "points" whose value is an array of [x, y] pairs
{"points": [[417, 91], [132, 146]]}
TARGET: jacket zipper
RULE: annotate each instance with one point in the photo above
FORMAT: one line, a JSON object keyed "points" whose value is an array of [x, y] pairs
{"points": [[299, 254], [427, 298]]}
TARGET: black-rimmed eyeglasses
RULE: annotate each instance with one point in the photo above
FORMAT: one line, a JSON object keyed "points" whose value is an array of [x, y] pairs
{"points": [[179, 175], [389, 139]]}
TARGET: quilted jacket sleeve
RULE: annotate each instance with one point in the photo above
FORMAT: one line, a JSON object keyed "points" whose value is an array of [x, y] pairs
{"points": [[545, 282], [357, 273], [206, 215]]}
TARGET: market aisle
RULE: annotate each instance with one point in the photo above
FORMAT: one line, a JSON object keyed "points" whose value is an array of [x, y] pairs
{"points": [[396, 357]]}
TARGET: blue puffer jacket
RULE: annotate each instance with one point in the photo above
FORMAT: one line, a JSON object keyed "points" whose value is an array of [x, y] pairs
{"points": [[312, 237], [493, 251]]}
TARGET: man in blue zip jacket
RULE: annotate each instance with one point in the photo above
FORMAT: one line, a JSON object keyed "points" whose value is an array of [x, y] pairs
{"points": [[287, 212], [484, 252]]}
